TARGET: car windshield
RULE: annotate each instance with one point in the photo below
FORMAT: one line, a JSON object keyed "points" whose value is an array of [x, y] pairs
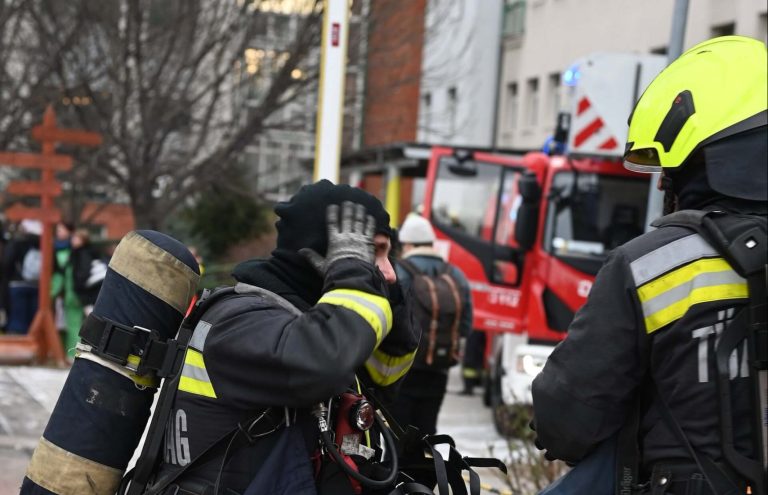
{"points": [[589, 216]]}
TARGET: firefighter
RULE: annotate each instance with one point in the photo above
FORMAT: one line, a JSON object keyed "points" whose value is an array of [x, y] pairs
{"points": [[254, 366], [644, 343]]}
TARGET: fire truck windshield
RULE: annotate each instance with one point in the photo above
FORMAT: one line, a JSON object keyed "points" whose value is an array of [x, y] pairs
{"points": [[465, 199], [588, 214]]}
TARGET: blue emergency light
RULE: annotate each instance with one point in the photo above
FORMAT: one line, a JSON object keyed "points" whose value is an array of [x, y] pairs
{"points": [[571, 75]]}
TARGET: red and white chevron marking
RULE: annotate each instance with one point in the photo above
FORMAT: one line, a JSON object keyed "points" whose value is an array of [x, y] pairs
{"points": [[589, 129]]}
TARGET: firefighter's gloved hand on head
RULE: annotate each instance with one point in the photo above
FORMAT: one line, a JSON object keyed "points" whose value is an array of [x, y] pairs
{"points": [[349, 236]]}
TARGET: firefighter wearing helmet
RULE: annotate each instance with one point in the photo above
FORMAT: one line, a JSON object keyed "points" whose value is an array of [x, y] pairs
{"points": [[665, 360]]}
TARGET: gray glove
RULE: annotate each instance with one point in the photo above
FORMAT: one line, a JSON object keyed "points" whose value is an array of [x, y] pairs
{"points": [[350, 238]]}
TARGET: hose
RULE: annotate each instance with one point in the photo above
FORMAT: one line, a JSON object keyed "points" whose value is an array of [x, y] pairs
{"points": [[389, 441]]}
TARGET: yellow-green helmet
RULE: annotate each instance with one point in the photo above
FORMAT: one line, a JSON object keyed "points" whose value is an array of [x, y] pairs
{"points": [[717, 89]]}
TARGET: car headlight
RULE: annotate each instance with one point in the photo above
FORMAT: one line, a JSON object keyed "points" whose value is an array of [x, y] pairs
{"points": [[529, 365]]}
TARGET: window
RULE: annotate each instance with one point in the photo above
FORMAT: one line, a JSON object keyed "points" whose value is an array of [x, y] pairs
{"points": [[513, 102], [533, 101], [554, 96], [514, 18], [452, 109], [425, 111], [596, 214], [727, 29], [461, 202]]}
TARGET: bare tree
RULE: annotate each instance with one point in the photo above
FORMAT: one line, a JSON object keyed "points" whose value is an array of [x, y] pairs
{"points": [[161, 81]]}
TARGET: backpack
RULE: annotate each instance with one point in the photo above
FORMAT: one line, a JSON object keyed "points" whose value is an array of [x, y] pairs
{"points": [[437, 307], [30, 265]]}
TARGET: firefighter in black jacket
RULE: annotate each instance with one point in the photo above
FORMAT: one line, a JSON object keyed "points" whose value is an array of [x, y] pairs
{"points": [[659, 304], [248, 353]]}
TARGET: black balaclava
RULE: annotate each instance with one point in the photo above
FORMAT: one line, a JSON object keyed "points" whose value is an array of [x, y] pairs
{"points": [[302, 224], [688, 188]]}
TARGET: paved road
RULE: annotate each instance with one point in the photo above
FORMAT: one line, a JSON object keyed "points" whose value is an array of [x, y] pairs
{"points": [[29, 394]]}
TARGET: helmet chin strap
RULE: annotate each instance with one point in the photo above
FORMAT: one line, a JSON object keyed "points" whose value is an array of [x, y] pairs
{"points": [[670, 199]]}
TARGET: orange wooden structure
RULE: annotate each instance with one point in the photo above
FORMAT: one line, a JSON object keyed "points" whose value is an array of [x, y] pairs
{"points": [[41, 342]]}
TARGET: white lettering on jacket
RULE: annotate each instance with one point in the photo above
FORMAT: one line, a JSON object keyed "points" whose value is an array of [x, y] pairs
{"points": [[176, 443], [738, 368]]}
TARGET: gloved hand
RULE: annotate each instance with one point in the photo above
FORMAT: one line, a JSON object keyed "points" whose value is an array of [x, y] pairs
{"points": [[350, 238]]}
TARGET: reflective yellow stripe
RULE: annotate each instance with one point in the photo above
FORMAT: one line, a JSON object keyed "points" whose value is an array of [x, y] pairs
{"points": [[470, 373], [669, 297], [381, 303], [386, 369], [194, 358], [681, 276], [696, 296], [375, 310], [194, 377], [196, 387]]}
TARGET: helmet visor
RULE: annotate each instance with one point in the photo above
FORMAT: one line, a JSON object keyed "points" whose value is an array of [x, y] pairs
{"points": [[644, 160]]}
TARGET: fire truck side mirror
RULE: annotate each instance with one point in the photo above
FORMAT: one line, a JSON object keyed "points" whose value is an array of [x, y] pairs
{"points": [[528, 213]]}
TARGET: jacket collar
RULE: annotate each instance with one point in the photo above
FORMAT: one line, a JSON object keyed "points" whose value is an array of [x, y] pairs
{"points": [[423, 251]]}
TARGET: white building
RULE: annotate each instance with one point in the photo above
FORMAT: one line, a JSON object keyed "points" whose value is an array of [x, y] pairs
{"points": [[542, 38], [459, 72]]}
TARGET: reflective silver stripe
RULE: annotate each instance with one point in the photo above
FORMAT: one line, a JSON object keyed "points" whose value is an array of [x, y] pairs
{"points": [[682, 291], [669, 256], [195, 373], [199, 335], [377, 310]]}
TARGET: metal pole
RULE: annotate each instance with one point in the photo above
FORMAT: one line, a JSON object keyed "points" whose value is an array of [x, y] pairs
{"points": [[675, 49], [499, 67], [330, 108]]}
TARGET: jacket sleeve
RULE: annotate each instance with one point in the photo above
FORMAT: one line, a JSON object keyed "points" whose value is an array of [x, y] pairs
{"points": [[390, 362], [583, 394], [257, 356]]}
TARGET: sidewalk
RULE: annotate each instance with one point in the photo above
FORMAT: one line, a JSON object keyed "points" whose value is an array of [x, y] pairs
{"points": [[28, 395]]}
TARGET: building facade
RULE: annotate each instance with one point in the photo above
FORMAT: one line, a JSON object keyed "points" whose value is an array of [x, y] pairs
{"points": [[279, 159], [542, 38], [459, 72]]}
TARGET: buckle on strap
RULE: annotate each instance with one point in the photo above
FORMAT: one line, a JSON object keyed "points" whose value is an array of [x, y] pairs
{"points": [[123, 344]]}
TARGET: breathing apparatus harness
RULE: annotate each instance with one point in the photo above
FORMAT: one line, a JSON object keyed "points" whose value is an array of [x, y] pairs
{"points": [[414, 464]]}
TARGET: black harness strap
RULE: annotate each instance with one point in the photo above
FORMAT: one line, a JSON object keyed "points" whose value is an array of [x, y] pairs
{"points": [[145, 466]]}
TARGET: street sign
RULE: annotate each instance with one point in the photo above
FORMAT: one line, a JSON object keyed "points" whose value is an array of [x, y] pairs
{"points": [[60, 163], [70, 136], [33, 188], [18, 213], [42, 339]]}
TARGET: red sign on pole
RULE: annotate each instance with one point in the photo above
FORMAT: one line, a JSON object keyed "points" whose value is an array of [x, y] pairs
{"points": [[42, 339], [335, 33]]}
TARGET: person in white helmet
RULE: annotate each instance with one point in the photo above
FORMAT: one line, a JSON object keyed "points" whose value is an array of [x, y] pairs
{"points": [[442, 305]]}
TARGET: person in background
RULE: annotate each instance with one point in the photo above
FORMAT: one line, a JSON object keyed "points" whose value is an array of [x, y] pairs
{"points": [[21, 273], [68, 306], [62, 237], [88, 271], [421, 267]]}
